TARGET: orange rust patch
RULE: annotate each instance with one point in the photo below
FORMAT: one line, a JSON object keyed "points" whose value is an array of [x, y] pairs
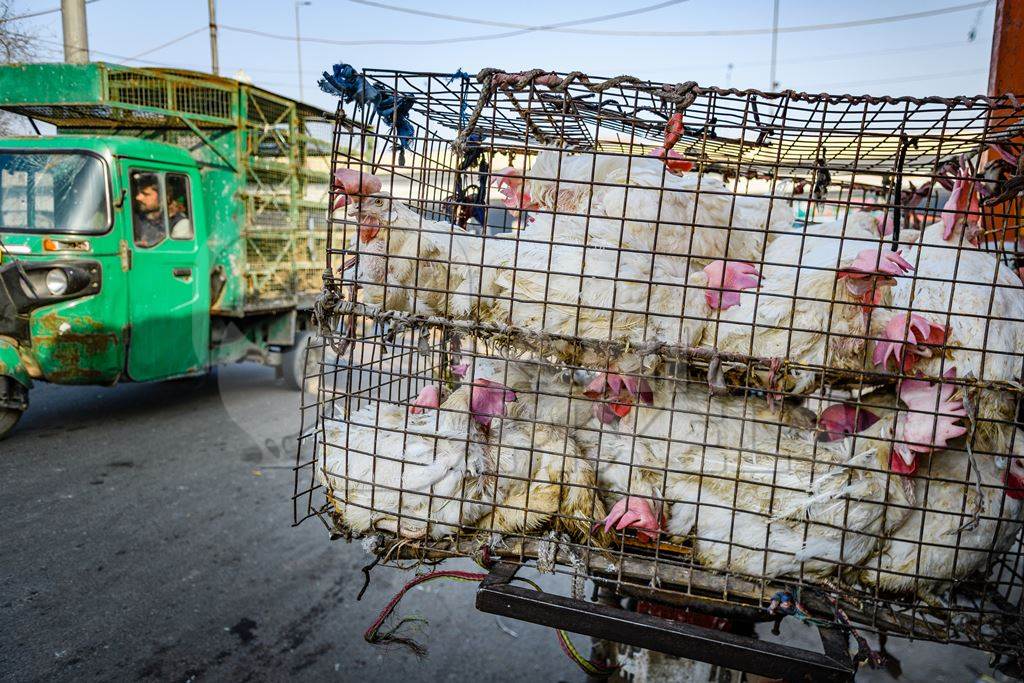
{"points": [[73, 354]]}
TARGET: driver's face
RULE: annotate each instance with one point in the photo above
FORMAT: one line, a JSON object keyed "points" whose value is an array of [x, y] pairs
{"points": [[148, 199]]}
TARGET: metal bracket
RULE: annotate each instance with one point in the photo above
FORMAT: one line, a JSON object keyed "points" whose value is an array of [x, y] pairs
{"points": [[496, 595]]}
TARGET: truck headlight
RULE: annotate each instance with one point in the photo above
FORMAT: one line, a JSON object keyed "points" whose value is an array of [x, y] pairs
{"points": [[56, 281]]}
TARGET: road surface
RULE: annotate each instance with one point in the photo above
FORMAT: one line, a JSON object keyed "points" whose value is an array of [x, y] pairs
{"points": [[147, 535]]}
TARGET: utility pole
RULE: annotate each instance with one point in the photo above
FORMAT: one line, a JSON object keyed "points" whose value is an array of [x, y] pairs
{"points": [[1005, 74], [774, 84], [76, 33], [214, 61], [298, 44]]}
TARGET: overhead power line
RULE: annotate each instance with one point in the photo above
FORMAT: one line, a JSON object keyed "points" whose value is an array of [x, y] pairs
{"points": [[900, 79], [39, 13], [161, 46], [522, 29], [563, 28], [530, 27], [111, 55], [525, 28], [816, 58]]}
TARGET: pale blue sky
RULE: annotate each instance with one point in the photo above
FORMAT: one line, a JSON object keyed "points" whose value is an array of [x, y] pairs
{"points": [[930, 55]]}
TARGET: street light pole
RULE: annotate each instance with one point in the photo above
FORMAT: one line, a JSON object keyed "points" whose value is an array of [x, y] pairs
{"points": [[76, 34], [214, 61], [774, 84], [298, 44]]}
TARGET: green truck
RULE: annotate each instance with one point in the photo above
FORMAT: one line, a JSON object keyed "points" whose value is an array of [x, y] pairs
{"points": [[174, 222]]}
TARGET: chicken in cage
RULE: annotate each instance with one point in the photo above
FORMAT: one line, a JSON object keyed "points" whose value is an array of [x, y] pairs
{"points": [[721, 342]]}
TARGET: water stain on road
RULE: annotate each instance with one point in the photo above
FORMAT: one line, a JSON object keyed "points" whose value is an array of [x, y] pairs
{"points": [[244, 630]]}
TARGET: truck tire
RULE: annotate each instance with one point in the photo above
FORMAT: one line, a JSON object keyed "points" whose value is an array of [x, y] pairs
{"points": [[15, 399], [299, 372], [8, 419]]}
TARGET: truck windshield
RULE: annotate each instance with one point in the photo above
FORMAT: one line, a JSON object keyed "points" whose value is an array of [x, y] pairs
{"points": [[53, 192]]}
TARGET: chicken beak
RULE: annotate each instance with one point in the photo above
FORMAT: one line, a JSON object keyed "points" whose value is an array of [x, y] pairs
{"points": [[342, 200]]}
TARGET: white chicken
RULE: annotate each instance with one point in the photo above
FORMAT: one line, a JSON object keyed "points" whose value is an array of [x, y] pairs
{"points": [[963, 309], [406, 262], [961, 522], [821, 506], [414, 475], [947, 519], [471, 462], [817, 312], [593, 293], [537, 279], [790, 248], [761, 496], [693, 215], [582, 292], [812, 509]]}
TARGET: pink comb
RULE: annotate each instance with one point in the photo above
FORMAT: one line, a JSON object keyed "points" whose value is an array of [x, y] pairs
{"points": [[931, 421], [884, 227], [872, 270], [488, 399], [354, 184], [726, 279], [874, 262], [636, 513], [906, 343], [510, 185], [962, 199], [429, 398]]}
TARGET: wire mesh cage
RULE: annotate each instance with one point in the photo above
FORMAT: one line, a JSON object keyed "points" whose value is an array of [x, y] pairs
{"points": [[680, 340]]}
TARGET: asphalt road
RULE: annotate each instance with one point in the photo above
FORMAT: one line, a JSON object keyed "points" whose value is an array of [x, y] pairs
{"points": [[147, 535]]}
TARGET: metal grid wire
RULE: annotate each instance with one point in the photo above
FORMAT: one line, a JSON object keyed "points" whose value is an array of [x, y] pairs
{"points": [[775, 339], [164, 91], [286, 166]]}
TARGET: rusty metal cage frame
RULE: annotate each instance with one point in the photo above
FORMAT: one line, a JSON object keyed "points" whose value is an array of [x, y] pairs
{"points": [[835, 156]]}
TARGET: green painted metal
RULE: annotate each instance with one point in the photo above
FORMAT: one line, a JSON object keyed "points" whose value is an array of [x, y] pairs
{"points": [[11, 364], [169, 294], [83, 341], [259, 189], [42, 84]]}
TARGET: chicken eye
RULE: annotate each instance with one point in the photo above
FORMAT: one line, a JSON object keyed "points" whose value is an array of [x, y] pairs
{"points": [[378, 202]]}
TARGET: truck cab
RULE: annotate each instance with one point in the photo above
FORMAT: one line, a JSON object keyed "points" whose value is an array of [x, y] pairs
{"points": [[176, 221], [102, 282]]}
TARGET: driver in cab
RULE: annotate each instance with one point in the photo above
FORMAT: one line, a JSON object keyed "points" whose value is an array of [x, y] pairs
{"points": [[149, 222]]}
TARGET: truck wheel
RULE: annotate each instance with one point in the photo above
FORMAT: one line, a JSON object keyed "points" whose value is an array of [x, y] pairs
{"points": [[8, 418], [14, 398], [300, 373]]}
